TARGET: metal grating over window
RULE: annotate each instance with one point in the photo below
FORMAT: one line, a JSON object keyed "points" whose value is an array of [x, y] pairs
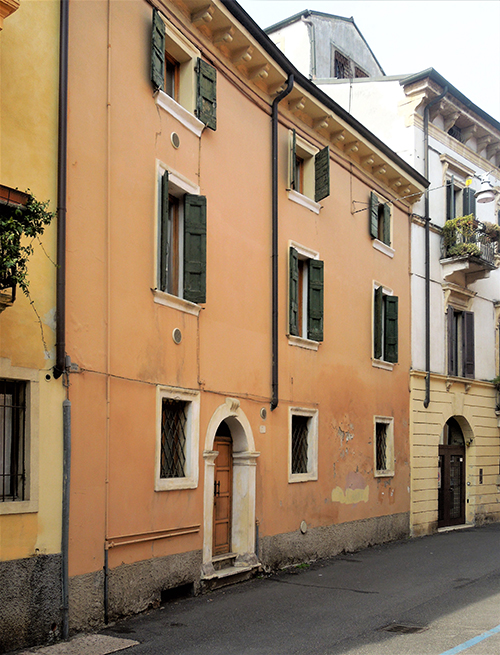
{"points": [[342, 69], [12, 440], [359, 72], [173, 438], [381, 446], [456, 133], [299, 443]]}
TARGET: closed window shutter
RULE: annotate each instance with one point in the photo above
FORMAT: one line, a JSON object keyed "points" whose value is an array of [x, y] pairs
{"points": [[322, 174], [391, 329], [206, 98], [377, 323], [469, 201], [158, 51], [468, 331], [195, 248], [315, 300], [293, 293], [163, 245], [450, 200], [452, 341], [293, 160], [373, 216], [387, 224]]}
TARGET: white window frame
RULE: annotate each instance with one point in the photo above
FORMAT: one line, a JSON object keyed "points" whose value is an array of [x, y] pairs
{"points": [[389, 422], [312, 444], [183, 111], [31, 377], [190, 480], [307, 152], [293, 340], [178, 186]]}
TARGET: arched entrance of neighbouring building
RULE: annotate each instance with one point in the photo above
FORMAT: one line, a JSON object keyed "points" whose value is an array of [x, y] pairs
{"points": [[451, 474]]}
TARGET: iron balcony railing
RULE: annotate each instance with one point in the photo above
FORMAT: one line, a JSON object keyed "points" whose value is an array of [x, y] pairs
{"points": [[468, 238]]}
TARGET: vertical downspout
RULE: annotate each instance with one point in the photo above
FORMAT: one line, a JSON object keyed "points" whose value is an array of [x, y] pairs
{"points": [[274, 328], [427, 252]]}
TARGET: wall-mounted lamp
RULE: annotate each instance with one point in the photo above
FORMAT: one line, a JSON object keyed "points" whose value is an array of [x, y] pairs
{"points": [[486, 193]]}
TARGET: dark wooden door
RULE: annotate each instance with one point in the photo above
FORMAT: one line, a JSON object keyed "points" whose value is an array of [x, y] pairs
{"points": [[222, 494], [451, 487]]}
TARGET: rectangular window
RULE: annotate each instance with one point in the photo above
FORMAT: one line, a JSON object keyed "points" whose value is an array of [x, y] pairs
{"points": [[385, 329], [13, 450], [305, 296], [384, 446], [461, 359], [303, 445], [380, 219], [177, 439], [309, 172], [460, 199], [182, 242], [341, 66], [178, 72]]}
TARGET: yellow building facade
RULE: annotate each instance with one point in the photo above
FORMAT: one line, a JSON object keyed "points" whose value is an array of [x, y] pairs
{"points": [[30, 397]]}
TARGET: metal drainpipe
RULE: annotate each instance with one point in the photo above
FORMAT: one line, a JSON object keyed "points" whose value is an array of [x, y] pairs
{"points": [[274, 328], [60, 366], [427, 252]]}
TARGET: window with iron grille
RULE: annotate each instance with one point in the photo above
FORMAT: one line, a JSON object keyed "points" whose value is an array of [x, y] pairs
{"points": [[342, 66], [13, 446], [173, 438], [384, 446], [303, 444]]}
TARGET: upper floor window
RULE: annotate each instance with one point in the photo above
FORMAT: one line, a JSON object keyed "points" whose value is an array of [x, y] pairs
{"points": [[385, 327], [460, 343], [380, 220], [460, 199], [309, 172], [305, 295], [182, 233], [341, 66], [188, 82]]}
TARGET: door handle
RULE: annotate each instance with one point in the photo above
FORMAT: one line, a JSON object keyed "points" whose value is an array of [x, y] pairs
{"points": [[216, 488]]}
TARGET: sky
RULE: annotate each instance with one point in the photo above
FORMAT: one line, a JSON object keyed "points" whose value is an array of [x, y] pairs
{"points": [[460, 40]]}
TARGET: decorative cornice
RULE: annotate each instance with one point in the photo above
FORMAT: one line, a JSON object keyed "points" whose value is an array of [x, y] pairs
{"points": [[7, 7]]}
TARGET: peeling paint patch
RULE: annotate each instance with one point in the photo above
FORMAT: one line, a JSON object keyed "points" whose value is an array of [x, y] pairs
{"points": [[350, 496]]}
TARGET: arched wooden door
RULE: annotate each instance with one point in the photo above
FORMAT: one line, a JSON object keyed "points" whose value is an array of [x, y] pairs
{"points": [[451, 481], [223, 488]]}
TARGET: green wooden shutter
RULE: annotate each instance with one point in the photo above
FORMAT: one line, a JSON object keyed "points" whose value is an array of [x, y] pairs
{"points": [[206, 94], [468, 333], [163, 245], [293, 293], [315, 300], [387, 224], [391, 329], [293, 160], [469, 201], [322, 174], [377, 323], [373, 216], [450, 200], [158, 51], [452, 341], [195, 248]]}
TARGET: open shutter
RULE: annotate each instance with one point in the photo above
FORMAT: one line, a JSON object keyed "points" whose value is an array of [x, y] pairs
{"points": [[206, 94], [195, 248], [468, 332], [387, 224], [293, 293], [315, 300], [391, 329], [158, 51], [293, 160], [322, 174], [469, 201], [452, 341], [450, 200], [377, 323], [163, 245], [373, 216]]}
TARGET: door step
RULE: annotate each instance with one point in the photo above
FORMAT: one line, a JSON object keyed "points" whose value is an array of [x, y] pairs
{"points": [[224, 561], [226, 573]]}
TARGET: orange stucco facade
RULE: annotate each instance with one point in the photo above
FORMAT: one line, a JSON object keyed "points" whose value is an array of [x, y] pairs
{"points": [[120, 327]]}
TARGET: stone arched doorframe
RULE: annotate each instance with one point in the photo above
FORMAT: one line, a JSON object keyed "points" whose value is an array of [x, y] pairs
{"points": [[244, 480]]}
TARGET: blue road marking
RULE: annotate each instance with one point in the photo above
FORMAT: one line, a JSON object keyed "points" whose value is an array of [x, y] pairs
{"points": [[472, 642]]}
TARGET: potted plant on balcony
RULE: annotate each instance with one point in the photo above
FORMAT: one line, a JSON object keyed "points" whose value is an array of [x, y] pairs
{"points": [[492, 231], [23, 219], [459, 237]]}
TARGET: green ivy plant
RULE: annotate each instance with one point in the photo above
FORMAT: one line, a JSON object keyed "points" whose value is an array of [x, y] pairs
{"points": [[458, 236], [492, 230], [19, 227]]}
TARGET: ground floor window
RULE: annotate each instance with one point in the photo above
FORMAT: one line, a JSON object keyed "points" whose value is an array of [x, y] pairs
{"points": [[384, 446], [303, 445], [13, 440]]}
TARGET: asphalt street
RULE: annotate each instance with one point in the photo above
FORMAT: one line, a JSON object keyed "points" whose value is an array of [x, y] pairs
{"points": [[428, 596]]}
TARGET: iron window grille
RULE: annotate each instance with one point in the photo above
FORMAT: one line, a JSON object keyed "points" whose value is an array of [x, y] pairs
{"points": [[342, 67], [381, 446], [173, 438], [12, 440], [300, 431]]}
